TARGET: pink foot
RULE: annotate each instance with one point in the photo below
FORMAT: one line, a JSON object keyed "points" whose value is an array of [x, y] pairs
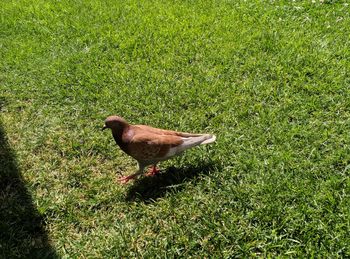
{"points": [[125, 179], [152, 171]]}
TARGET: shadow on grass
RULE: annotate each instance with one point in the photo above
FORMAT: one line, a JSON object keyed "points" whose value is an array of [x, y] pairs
{"points": [[148, 189], [21, 228]]}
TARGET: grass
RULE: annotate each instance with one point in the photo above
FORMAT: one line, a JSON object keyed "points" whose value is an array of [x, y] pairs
{"points": [[269, 78]]}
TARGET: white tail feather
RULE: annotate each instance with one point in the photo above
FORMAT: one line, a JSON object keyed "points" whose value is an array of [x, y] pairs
{"points": [[209, 140], [190, 142]]}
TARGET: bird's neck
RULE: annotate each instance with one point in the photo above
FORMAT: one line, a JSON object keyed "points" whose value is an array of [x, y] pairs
{"points": [[120, 138], [117, 135]]}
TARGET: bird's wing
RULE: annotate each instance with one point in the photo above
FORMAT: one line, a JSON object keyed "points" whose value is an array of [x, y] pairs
{"points": [[166, 132], [146, 145]]}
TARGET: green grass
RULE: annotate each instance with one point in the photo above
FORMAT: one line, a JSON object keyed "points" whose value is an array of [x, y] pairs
{"points": [[270, 78]]}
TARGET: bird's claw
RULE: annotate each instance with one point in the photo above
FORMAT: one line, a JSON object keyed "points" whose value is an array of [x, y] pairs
{"points": [[152, 171], [125, 179]]}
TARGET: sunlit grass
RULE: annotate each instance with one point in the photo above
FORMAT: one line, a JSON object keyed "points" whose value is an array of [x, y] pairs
{"points": [[270, 79]]}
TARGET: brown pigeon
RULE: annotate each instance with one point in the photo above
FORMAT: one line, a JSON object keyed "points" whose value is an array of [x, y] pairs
{"points": [[150, 145]]}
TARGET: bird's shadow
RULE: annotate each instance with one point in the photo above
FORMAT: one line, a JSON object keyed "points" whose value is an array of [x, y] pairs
{"points": [[22, 232], [149, 189]]}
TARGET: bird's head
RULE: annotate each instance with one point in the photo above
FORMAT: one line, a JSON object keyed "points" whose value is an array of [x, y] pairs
{"points": [[115, 123]]}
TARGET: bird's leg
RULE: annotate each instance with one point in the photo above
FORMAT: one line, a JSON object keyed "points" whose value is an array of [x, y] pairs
{"points": [[126, 179], [153, 170]]}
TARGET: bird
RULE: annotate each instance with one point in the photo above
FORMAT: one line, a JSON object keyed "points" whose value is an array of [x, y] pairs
{"points": [[149, 145]]}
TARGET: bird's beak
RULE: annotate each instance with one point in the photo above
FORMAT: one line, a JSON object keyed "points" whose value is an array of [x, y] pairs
{"points": [[104, 127]]}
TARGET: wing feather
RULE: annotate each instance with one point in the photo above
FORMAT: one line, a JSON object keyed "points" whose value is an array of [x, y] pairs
{"points": [[150, 146], [166, 132]]}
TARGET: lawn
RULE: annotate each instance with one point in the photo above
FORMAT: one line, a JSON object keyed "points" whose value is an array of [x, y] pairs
{"points": [[270, 78]]}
